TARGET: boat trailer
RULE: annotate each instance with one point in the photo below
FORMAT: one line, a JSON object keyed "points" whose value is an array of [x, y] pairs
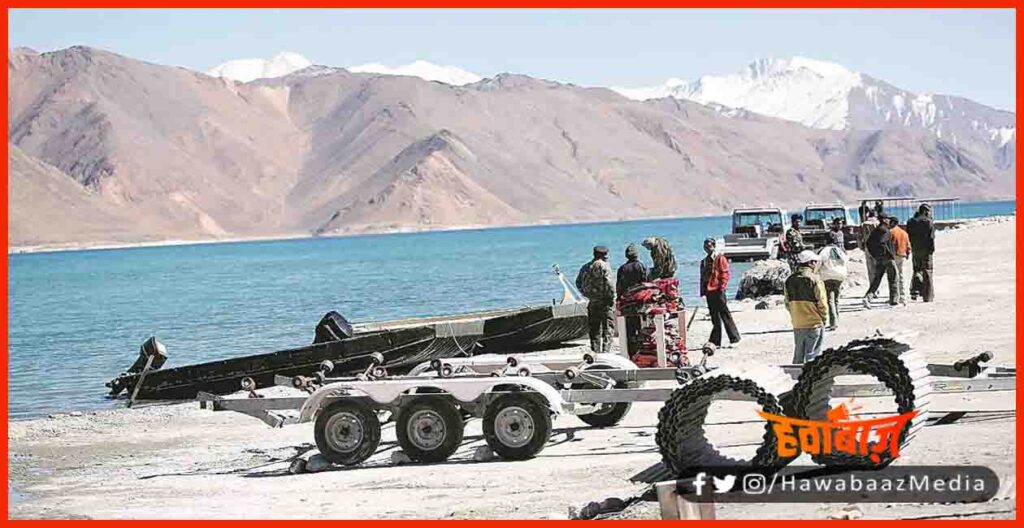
{"points": [[517, 397]]}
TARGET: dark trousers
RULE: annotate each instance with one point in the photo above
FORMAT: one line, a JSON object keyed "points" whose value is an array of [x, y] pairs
{"points": [[832, 288], [599, 322], [884, 268], [632, 334], [922, 281], [720, 315]]}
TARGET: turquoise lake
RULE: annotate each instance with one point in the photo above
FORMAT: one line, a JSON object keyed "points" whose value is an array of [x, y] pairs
{"points": [[76, 319]]}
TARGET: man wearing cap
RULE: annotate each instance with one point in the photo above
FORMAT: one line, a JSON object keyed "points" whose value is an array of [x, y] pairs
{"points": [[921, 232], [630, 274], [595, 283], [714, 279], [808, 308]]}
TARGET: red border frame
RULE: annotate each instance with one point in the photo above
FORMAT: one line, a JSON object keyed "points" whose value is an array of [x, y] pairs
{"points": [[487, 4], [804, 4]]}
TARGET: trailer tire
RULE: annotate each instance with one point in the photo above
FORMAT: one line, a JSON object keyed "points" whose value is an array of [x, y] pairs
{"points": [[611, 413], [347, 432], [516, 426], [417, 425]]}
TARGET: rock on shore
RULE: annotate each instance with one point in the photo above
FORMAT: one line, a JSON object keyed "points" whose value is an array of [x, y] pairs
{"points": [[766, 277]]}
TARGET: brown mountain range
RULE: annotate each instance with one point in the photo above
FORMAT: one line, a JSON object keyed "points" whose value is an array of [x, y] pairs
{"points": [[107, 149]]}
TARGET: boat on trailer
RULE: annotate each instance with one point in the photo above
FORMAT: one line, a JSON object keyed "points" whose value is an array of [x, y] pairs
{"points": [[403, 344]]}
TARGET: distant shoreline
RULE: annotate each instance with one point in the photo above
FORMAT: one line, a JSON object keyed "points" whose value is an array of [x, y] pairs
{"points": [[88, 246], [99, 246]]}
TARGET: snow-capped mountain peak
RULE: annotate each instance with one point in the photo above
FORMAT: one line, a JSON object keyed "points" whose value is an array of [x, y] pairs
{"points": [[827, 95], [808, 91], [245, 70], [422, 69], [772, 67]]}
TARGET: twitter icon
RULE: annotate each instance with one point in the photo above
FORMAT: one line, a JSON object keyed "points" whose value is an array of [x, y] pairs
{"points": [[724, 484]]}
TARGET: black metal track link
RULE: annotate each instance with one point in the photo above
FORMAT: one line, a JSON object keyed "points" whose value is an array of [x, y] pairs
{"points": [[885, 359], [681, 438]]}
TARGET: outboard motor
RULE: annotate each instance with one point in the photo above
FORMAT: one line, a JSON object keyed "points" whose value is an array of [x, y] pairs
{"points": [[150, 347], [332, 327]]}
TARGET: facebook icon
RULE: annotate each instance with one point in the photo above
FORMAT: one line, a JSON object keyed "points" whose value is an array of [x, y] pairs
{"points": [[699, 481]]}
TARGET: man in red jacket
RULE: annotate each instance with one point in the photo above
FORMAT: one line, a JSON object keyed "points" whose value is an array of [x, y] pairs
{"points": [[714, 278]]}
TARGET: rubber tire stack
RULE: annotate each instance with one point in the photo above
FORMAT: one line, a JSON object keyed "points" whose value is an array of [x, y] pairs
{"points": [[681, 439]]}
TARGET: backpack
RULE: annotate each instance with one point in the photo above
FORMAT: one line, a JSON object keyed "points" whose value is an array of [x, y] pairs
{"points": [[833, 264]]}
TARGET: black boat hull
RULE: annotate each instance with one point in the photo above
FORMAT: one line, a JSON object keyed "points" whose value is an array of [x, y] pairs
{"points": [[403, 345], [225, 376], [534, 328]]}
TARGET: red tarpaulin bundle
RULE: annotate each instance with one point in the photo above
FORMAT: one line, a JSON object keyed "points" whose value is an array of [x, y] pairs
{"points": [[660, 296]]}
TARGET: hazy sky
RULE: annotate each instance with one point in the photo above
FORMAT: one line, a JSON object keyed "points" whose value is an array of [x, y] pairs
{"points": [[961, 52]]}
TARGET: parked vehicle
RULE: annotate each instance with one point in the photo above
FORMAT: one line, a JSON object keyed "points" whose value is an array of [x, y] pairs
{"points": [[755, 234], [818, 220]]}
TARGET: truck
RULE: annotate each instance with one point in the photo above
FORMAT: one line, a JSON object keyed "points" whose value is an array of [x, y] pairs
{"points": [[817, 221], [755, 234]]}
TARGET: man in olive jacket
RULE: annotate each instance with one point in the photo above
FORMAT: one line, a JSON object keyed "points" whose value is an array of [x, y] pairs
{"points": [[596, 284], [661, 255]]}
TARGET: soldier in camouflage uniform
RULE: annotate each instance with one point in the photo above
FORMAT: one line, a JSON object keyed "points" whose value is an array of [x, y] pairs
{"points": [[794, 241], [661, 254], [596, 284]]}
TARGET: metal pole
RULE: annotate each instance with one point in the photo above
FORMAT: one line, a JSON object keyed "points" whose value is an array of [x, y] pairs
{"points": [[696, 308], [142, 376], [659, 335]]}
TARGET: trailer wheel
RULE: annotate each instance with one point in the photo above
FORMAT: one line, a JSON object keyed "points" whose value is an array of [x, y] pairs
{"points": [[347, 432], [429, 429], [608, 414], [516, 426]]}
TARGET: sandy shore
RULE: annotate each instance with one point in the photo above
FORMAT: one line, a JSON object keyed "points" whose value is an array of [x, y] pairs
{"points": [[180, 461]]}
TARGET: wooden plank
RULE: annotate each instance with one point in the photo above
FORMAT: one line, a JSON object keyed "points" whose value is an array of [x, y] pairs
{"points": [[676, 508]]}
